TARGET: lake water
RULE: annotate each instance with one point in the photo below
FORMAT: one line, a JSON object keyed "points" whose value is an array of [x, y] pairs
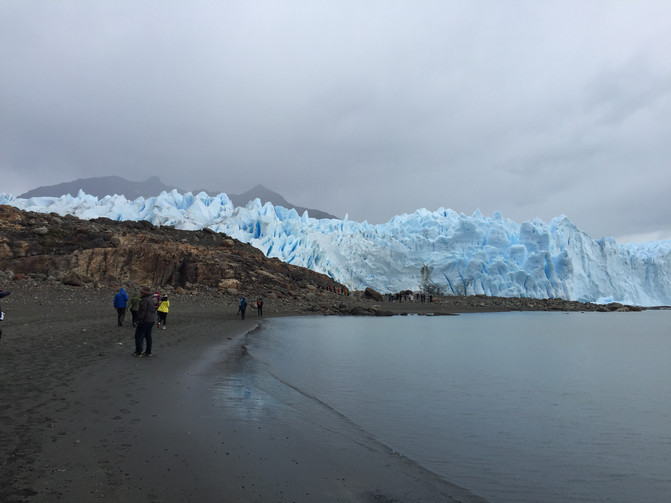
{"points": [[515, 407]]}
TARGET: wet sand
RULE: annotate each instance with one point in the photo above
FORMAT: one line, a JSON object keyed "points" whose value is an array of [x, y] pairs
{"points": [[82, 420]]}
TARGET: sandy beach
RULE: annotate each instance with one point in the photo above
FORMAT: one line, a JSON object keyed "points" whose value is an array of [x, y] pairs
{"points": [[83, 420]]}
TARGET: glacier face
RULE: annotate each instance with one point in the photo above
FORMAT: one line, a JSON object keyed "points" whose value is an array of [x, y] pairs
{"points": [[440, 251]]}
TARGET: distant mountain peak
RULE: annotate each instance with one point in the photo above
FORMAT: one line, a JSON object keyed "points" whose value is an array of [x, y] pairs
{"points": [[102, 186], [265, 195], [153, 186], [262, 193]]}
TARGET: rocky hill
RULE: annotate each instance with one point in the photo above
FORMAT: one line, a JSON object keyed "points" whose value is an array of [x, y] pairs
{"points": [[104, 252]]}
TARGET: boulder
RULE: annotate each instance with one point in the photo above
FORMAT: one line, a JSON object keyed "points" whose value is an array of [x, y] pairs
{"points": [[369, 293], [359, 311], [229, 284], [73, 279]]}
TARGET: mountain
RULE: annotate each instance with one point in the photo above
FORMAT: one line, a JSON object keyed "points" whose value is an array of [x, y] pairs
{"points": [[110, 185], [441, 252], [268, 196], [103, 186]]}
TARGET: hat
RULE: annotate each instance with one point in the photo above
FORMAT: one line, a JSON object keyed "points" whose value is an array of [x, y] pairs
{"points": [[145, 290]]}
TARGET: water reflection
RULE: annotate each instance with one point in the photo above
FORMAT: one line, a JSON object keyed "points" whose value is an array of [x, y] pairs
{"points": [[239, 390], [515, 406]]}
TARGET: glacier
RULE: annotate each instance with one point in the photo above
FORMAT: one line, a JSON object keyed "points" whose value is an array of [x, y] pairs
{"points": [[435, 251]]}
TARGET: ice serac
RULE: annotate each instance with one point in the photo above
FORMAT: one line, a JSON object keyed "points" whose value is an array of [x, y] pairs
{"points": [[439, 251]]}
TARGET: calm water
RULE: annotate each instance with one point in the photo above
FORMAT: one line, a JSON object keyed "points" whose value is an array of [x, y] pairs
{"points": [[516, 407]]}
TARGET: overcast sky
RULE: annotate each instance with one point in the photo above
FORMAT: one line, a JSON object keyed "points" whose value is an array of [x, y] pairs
{"points": [[366, 108]]}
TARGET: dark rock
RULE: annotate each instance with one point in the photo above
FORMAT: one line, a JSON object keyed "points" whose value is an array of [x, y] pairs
{"points": [[73, 279], [369, 293]]}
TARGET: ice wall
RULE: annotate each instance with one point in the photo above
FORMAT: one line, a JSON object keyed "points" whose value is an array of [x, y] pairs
{"points": [[439, 251]]}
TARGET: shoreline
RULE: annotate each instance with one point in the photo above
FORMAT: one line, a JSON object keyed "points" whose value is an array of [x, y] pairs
{"points": [[84, 420]]}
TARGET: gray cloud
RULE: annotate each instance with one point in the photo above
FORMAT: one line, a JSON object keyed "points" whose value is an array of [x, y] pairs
{"points": [[367, 108]]}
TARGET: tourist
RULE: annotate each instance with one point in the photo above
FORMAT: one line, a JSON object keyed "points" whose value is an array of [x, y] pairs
{"points": [[134, 306], [242, 306], [2, 315], [259, 306], [163, 307], [146, 317], [120, 300]]}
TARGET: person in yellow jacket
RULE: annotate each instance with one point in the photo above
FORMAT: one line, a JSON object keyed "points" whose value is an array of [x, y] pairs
{"points": [[163, 307]]}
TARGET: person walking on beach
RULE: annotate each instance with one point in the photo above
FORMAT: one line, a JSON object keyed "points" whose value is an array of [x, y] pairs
{"points": [[2, 314], [146, 317], [163, 307], [134, 306], [120, 300], [242, 306], [259, 306]]}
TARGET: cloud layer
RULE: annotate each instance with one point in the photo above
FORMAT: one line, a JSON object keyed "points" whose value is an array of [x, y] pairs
{"points": [[368, 108]]}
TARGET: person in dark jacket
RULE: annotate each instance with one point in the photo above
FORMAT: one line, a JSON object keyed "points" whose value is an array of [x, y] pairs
{"points": [[242, 307], [146, 317], [134, 306], [2, 315], [120, 300]]}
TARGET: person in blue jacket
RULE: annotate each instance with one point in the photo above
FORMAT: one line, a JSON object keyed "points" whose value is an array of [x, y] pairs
{"points": [[242, 307], [120, 300]]}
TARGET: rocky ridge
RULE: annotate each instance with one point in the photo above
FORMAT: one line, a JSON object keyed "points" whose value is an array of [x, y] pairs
{"points": [[105, 253]]}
